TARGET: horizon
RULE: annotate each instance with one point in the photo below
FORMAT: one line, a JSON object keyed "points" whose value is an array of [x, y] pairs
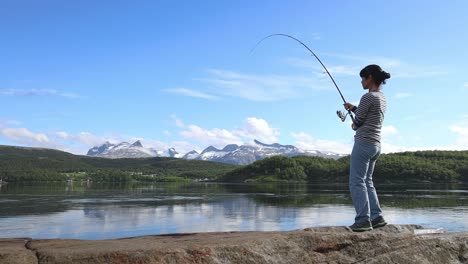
{"points": [[183, 75], [252, 143], [217, 148]]}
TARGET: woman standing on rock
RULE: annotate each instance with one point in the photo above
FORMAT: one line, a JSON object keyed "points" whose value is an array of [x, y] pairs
{"points": [[369, 116]]}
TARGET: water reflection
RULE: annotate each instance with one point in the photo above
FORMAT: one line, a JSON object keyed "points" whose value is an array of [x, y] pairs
{"points": [[110, 211]]}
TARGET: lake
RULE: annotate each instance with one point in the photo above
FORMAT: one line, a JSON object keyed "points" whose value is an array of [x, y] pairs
{"points": [[104, 211]]}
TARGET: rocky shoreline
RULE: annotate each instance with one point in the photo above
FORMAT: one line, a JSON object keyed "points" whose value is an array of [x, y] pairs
{"points": [[390, 244]]}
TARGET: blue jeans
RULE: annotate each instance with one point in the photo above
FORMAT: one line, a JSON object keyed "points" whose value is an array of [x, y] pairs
{"points": [[363, 193]]}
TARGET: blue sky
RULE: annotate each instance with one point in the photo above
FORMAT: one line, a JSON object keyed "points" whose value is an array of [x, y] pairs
{"points": [[74, 74]]}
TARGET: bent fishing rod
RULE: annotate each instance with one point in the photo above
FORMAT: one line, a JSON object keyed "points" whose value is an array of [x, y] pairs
{"points": [[340, 114]]}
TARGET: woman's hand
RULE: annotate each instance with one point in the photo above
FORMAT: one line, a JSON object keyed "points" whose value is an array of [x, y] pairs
{"points": [[348, 106]]}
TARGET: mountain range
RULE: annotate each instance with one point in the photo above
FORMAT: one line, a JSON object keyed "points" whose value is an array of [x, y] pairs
{"points": [[231, 154]]}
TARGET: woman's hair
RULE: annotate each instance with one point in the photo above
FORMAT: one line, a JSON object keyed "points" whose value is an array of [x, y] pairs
{"points": [[377, 73]]}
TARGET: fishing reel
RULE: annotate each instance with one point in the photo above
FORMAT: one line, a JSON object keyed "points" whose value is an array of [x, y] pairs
{"points": [[341, 115]]}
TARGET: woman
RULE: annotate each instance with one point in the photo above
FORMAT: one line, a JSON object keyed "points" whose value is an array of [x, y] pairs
{"points": [[369, 116]]}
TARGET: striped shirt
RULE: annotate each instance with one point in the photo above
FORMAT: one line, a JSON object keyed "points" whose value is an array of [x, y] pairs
{"points": [[369, 117]]}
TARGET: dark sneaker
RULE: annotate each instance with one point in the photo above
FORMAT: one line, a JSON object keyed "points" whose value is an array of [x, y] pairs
{"points": [[378, 222], [361, 227]]}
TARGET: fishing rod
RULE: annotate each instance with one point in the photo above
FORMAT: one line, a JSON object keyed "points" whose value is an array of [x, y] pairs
{"points": [[340, 114]]}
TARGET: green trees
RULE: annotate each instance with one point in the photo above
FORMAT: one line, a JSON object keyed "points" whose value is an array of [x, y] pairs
{"points": [[31, 164], [26, 164], [279, 167], [420, 166], [319, 169]]}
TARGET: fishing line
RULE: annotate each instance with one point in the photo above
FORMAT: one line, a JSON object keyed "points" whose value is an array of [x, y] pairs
{"points": [[340, 114]]}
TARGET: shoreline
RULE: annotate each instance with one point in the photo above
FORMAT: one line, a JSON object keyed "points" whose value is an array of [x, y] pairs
{"points": [[389, 244]]}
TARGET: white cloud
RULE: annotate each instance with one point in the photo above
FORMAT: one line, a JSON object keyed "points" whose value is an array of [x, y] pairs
{"points": [[253, 128], [414, 71], [192, 93], [461, 132], [363, 60], [72, 95], [198, 138], [314, 66], [260, 87], [391, 148], [64, 135], [351, 65], [460, 140], [84, 138], [183, 147], [216, 137], [81, 142], [38, 92], [257, 128], [30, 92], [343, 70], [255, 87], [7, 122], [25, 136], [308, 142], [316, 36], [389, 131], [178, 121], [402, 95], [75, 143], [396, 67]]}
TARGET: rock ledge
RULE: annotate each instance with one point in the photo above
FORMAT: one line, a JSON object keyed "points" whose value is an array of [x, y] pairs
{"points": [[390, 244]]}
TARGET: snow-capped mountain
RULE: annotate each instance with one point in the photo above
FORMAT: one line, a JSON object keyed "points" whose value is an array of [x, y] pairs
{"points": [[232, 153], [249, 153], [191, 155], [127, 150]]}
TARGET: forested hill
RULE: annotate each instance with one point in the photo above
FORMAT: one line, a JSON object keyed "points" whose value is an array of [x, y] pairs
{"points": [[33, 164], [36, 164], [420, 166]]}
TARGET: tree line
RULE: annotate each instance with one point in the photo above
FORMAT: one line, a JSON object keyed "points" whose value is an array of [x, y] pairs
{"points": [[419, 166], [29, 164]]}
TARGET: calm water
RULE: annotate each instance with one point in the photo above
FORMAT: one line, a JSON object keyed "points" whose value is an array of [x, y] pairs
{"points": [[102, 211]]}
